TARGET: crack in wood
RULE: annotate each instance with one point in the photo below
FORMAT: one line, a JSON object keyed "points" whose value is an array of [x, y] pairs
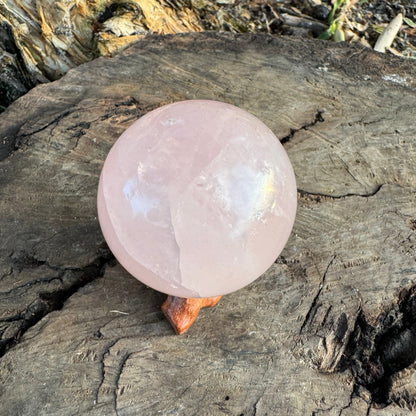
{"points": [[13, 318], [255, 407], [313, 306], [25, 260], [317, 196], [319, 411], [376, 353], [187, 388], [11, 143], [33, 283], [55, 120], [102, 368], [79, 129], [327, 313], [259, 398], [120, 369], [317, 119], [14, 141], [348, 405], [362, 122], [48, 302]]}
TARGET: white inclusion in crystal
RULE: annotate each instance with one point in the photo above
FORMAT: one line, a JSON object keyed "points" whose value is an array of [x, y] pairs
{"points": [[246, 193], [139, 203], [171, 122], [140, 169]]}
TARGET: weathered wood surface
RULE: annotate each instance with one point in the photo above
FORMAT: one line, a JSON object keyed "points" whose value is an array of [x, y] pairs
{"points": [[329, 329], [41, 40]]}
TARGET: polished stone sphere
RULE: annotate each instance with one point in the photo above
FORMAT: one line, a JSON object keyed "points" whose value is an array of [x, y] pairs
{"points": [[197, 198]]}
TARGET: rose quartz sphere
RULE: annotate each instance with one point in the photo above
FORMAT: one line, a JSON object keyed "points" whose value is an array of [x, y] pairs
{"points": [[197, 198]]}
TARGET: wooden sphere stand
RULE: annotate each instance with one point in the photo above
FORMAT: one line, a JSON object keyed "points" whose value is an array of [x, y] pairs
{"points": [[182, 312]]}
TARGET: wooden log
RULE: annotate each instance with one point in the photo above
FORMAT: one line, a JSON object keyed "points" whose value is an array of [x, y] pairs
{"points": [[330, 328]]}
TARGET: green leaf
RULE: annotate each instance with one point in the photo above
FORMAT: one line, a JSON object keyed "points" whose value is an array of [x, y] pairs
{"points": [[325, 35], [378, 28], [334, 26], [337, 5], [409, 22]]}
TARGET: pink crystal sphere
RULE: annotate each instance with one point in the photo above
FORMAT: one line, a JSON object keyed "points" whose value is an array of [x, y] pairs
{"points": [[197, 198]]}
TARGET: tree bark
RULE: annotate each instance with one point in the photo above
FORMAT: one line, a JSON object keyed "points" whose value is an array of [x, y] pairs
{"points": [[330, 328]]}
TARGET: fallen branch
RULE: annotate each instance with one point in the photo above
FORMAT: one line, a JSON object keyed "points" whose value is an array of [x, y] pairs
{"points": [[386, 38]]}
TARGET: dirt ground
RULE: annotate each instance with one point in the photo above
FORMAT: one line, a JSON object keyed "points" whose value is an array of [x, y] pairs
{"points": [[360, 21]]}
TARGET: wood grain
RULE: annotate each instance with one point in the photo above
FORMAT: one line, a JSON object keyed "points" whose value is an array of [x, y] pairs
{"points": [[329, 329]]}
